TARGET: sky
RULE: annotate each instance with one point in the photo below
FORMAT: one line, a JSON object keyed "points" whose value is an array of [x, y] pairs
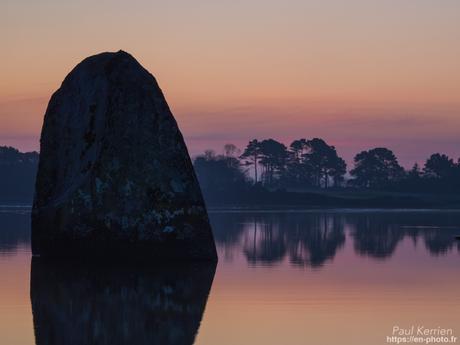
{"points": [[357, 73]]}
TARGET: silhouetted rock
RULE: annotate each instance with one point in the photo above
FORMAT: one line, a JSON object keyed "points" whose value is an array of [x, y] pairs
{"points": [[107, 305], [115, 178]]}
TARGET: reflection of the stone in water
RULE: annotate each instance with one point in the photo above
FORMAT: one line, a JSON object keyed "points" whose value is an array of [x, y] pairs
{"points": [[75, 304]]}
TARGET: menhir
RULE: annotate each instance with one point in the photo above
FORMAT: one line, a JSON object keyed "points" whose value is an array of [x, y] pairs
{"points": [[115, 179]]}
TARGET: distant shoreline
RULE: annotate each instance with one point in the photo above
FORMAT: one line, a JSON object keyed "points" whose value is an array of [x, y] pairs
{"points": [[334, 200], [292, 208], [325, 209], [314, 199]]}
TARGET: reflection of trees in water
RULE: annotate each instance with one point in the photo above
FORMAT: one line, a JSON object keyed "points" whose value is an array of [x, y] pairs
{"points": [[436, 243], [271, 237], [378, 234], [439, 242], [227, 229], [303, 238], [375, 235], [310, 239], [266, 242], [118, 304], [319, 242]]}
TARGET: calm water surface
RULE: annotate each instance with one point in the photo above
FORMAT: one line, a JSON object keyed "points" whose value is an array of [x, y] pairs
{"points": [[311, 277]]}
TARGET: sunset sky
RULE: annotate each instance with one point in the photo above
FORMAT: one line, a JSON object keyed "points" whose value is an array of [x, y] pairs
{"points": [[358, 73]]}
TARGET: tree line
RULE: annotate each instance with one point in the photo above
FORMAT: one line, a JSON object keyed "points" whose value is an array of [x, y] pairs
{"points": [[17, 174], [268, 165], [313, 163]]}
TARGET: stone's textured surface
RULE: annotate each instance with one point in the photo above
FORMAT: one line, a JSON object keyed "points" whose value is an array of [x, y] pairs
{"points": [[115, 178]]}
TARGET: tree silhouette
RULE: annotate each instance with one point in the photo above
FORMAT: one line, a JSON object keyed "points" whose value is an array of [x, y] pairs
{"points": [[17, 174], [304, 164], [439, 166], [415, 173], [314, 162], [337, 170], [299, 172], [324, 161], [274, 156], [219, 174], [230, 150], [376, 168], [251, 156]]}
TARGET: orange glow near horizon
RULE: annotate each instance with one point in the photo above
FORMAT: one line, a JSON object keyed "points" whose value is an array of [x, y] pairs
{"points": [[359, 74]]}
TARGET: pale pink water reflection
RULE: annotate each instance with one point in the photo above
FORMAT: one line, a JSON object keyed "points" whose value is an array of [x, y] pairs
{"points": [[323, 277]]}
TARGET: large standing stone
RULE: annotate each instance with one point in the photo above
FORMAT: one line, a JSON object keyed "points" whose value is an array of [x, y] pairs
{"points": [[115, 178]]}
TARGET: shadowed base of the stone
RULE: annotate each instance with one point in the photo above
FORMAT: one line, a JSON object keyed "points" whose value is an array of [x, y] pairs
{"points": [[107, 245], [82, 304], [112, 250]]}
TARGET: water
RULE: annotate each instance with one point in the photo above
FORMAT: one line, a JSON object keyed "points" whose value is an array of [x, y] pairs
{"points": [[299, 277]]}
